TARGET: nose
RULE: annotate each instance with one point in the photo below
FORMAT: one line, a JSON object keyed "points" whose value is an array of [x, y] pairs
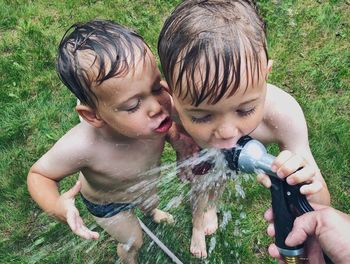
{"points": [[226, 131], [155, 108]]}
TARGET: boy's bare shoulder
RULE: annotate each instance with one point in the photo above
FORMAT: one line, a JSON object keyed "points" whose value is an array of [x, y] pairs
{"points": [[69, 154], [80, 138], [280, 104], [277, 97], [284, 116]]}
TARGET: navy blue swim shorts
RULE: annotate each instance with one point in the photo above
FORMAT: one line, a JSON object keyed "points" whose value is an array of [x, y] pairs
{"points": [[106, 210]]}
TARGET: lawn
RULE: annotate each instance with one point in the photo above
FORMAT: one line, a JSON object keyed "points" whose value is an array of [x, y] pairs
{"points": [[309, 43]]}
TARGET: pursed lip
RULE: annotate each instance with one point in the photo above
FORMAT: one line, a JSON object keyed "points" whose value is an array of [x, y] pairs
{"points": [[164, 125]]}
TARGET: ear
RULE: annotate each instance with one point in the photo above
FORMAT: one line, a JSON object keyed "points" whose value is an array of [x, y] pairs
{"points": [[90, 115], [269, 69], [166, 86], [269, 66]]}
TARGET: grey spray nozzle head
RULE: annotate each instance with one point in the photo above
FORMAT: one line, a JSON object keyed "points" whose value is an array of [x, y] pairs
{"points": [[249, 156]]}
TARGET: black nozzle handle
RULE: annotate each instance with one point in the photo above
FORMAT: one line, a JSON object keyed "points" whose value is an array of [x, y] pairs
{"points": [[283, 218]]}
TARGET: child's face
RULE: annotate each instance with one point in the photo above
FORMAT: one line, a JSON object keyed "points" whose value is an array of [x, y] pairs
{"points": [[221, 125], [136, 105]]}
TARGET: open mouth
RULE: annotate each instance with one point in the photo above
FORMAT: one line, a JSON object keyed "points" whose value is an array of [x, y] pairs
{"points": [[202, 168], [164, 125]]}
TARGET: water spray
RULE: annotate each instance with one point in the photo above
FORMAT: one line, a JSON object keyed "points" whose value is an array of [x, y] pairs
{"points": [[160, 244], [287, 202]]}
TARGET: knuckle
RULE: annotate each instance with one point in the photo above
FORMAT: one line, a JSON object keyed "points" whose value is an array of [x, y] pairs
{"points": [[298, 222]]}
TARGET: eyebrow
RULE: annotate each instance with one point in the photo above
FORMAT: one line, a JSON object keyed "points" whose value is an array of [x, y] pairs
{"points": [[196, 109], [250, 101]]}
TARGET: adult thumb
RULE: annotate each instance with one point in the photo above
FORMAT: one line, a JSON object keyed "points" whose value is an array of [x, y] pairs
{"points": [[72, 192], [303, 227]]}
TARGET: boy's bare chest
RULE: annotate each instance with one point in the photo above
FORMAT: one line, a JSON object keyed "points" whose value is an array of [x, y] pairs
{"points": [[123, 162]]}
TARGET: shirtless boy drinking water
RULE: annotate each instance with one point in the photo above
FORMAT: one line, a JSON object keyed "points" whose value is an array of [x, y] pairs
{"points": [[126, 116], [214, 58]]}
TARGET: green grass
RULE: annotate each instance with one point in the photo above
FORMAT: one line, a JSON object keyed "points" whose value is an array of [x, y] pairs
{"points": [[309, 43]]}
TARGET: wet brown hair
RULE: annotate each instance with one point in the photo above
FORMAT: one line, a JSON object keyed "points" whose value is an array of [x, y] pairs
{"points": [[209, 39], [112, 48]]}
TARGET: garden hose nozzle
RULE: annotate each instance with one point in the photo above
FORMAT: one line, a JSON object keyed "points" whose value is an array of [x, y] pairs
{"points": [[250, 156]]}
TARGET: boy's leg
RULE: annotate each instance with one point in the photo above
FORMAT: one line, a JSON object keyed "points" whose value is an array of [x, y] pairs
{"points": [[160, 216], [125, 228], [210, 218], [210, 215], [199, 203], [149, 207]]}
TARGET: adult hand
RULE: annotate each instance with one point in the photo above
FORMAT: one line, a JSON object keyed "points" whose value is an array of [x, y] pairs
{"points": [[75, 222], [312, 247], [324, 228]]}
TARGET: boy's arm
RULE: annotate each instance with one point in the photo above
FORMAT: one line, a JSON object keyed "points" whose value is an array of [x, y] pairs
{"points": [[43, 178], [44, 192], [292, 135], [184, 146], [64, 158]]}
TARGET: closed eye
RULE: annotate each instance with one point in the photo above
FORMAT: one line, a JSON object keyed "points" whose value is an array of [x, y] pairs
{"points": [[245, 113], [135, 107], [158, 90], [203, 119]]}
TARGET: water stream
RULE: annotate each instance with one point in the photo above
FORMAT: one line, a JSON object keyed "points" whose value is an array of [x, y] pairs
{"points": [[175, 198]]}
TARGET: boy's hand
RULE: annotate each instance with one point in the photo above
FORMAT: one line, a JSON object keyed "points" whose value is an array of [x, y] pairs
{"points": [[75, 222], [296, 170], [185, 148]]}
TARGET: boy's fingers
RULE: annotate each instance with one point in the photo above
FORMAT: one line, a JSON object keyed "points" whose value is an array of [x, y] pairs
{"points": [[312, 188], [79, 222], [306, 174], [78, 227], [264, 180], [268, 215], [72, 192], [281, 159], [94, 235], [271, 230], [88, 234], [82, 233], [71, 220], [273, 251], [290, 166]]}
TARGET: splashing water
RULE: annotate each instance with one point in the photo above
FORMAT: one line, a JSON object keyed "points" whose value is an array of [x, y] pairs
{"points": [[212, 244], [225, 219], [175, 195]]}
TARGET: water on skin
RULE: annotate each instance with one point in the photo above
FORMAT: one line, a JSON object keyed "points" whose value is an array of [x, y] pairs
{"points": [[217, 176]]}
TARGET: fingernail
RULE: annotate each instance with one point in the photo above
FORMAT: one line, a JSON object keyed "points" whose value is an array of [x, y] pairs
{"points": [[280, 174], [274, 168], [290, 180]]}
